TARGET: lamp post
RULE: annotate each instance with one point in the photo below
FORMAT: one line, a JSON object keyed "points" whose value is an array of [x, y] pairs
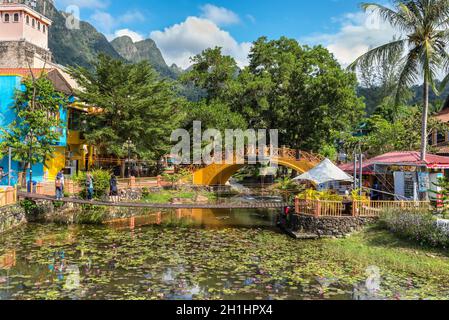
{"points": [[9, 165], [129, 145]]}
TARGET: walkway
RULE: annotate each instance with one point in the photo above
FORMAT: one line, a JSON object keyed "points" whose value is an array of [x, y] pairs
{"points": [[255, 205]]}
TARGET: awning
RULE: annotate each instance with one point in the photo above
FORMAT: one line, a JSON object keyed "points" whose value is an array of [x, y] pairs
{"points": [[325, 172]]}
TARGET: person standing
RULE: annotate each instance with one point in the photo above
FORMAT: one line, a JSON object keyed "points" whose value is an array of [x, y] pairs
{"points": [[60, 176], [90, 186], [59, 189], [2, 174], [113, 188]]}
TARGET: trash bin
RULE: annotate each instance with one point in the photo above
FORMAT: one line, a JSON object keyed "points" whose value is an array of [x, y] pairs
{"points": [[29, 190]]}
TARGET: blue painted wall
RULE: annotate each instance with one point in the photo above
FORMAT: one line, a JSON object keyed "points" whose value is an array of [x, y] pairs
{"points": [[8, 86]]}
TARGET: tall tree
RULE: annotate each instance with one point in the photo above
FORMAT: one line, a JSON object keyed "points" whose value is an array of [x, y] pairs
{"points": [[36, 129], [132, 102], [212, 71], [299, 90], [423, 25]]}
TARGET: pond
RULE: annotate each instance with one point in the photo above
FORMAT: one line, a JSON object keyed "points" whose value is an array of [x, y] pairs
{"points": [[182, 255]]}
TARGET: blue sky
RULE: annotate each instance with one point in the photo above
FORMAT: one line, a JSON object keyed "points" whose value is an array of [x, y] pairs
{"points": [[182, 28]]}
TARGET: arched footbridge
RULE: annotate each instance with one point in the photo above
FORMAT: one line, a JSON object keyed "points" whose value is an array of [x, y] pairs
{"points": [[218, 174]]}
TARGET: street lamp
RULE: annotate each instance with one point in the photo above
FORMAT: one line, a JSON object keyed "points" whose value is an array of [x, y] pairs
{"points": [[129, 145]]}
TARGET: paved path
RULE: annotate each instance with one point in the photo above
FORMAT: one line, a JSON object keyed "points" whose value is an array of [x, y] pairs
{"points": [[255, 205]]}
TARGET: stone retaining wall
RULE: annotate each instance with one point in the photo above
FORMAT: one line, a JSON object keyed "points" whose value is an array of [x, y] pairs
{"points": [[330, 226], [11, 217]]}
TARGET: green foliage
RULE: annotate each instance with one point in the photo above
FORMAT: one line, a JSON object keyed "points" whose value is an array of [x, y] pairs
{"points": [[288, 188], [392, 128], [423, 47], [299, 90], [36, 129], [326, 195], [180, 176], [133, 102], [29, 206], [212, 71], [101, 183], [418, 226]]}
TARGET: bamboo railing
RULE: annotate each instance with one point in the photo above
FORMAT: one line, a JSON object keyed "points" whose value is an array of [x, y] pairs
{"points": [[47, 188], [375, 208], [366, 208], [8, 196]]}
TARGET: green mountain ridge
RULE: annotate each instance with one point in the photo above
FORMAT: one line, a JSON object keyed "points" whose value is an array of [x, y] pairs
{"points": [[74, 47], [145, 50]]}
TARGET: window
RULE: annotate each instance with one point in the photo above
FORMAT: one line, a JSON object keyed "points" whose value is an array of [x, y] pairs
{"points": [[33, 23], [39, 25], [28, 19], [43, 28], [6, 17], [16, 17]]}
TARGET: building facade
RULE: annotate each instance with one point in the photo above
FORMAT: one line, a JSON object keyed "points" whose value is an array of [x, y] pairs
{"points": [[23, 52]]}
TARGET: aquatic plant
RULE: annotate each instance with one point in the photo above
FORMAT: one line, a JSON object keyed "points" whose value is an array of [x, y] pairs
{"points": [[420, 227]]}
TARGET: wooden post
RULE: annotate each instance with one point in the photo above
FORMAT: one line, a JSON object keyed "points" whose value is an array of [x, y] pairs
{"points": [[297, 205], [39, 188], [318, 209], [132, 182], [354, 208], [159, 181]]}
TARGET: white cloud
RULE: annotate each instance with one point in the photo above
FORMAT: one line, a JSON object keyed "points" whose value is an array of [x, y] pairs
{"points": [[135, 36], [358, 33], [184, 40], [106, 23], [88, 4], [219, 15]]}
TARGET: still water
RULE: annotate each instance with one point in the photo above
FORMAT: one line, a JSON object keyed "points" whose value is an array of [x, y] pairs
{"points": [[184, 254]]}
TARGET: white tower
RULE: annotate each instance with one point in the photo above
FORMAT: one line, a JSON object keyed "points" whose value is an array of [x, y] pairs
{"points": [[23, 35]]}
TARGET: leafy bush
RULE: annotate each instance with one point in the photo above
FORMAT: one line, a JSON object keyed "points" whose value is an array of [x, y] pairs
{"points": [[416, 226], [312, 194], [101, 183]]}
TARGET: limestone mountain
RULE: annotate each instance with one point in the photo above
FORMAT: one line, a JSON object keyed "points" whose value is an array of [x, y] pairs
{"points": [[145, 50], [72, 46]]}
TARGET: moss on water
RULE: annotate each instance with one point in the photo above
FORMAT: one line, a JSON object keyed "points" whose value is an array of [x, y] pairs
{"points": [[229, 263]]}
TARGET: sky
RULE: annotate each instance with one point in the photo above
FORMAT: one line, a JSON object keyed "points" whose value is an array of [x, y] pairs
{"points": [[183, 28]]}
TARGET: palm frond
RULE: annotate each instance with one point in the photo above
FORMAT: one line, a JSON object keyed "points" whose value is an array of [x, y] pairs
{"points": [[409, 73], [382, 53]]}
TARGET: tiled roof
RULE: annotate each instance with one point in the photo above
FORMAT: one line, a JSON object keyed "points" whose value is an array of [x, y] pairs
{"points": [[405, 158]]}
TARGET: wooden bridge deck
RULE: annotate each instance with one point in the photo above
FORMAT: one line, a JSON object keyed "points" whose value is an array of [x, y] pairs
{"points": [[256, 205]]}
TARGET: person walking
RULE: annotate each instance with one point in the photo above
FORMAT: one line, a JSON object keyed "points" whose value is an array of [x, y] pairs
{"points": [[113, 193], [59, 189], [90, 186]]}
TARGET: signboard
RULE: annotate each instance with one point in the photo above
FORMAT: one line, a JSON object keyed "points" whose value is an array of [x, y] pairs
{"points": [[423, 181]]}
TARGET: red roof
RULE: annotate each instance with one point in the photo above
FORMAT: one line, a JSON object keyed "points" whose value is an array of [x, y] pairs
{"points": [[22, 72], [443, 116], [406, 158]]}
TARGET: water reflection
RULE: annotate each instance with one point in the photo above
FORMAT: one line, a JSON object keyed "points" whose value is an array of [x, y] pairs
{"points": [[204, 218]]}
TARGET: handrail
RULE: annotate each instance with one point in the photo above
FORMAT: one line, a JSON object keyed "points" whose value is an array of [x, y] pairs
{"points": [[8, 196], [360, 208]]}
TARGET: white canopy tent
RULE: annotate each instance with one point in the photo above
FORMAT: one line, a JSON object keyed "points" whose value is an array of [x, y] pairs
{"points": [[325, 172]]}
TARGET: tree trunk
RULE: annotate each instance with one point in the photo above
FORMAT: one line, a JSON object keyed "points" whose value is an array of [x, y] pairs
{"points": [[425, 114]]}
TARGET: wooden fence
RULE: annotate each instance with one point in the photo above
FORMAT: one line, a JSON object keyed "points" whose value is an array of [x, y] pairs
{"points": [[367, 208], [8, 196], [71, 188]]}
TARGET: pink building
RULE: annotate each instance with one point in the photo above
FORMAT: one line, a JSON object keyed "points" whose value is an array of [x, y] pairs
{"points": [[19, 22]]}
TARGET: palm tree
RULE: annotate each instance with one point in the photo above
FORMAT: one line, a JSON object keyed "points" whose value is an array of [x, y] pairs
{"points": [[423, 25]]}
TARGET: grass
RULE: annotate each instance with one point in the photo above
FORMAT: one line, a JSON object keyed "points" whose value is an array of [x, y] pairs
{"points": [[378, 247]]}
